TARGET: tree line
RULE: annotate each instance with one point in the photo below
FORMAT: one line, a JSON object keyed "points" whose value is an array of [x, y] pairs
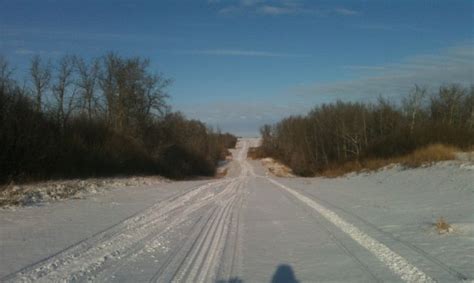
{"points": [[105, 116], [333, 134]]}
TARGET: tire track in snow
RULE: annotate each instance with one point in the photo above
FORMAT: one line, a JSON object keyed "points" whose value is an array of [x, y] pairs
{"points": [[234, 247], [338, 242], [177, 218], [205, 256], [209, 254], [453, 272], [102, 255], [167, 270], [193, 263], [201, 263], [108, 232], [399, 265], [90, 255]]}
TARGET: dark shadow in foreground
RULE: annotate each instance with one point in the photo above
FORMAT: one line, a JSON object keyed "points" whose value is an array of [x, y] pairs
{"points": [[284, 274]]}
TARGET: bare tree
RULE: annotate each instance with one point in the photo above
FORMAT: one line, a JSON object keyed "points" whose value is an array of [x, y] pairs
{"points": [[61, 89], [41, 76], [446, 106], [155, 86], [87, 82], [412, 104], [138, 136], [469, 106], [5, 73], [108, 85], [132, 95]]}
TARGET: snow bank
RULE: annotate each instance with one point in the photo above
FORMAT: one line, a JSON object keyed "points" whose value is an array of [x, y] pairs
{"points": [[276, 168], [31, 194]]}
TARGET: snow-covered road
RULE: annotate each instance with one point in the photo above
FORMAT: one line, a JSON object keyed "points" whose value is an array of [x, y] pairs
{"points": [[247, 227]]}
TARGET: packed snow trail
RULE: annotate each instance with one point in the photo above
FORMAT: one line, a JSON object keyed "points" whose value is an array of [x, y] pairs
{"points": [[247, 227], [395, 262]]}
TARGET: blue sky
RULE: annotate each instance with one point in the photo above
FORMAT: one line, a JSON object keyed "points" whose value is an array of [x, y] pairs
{"points": [[238, 64]]}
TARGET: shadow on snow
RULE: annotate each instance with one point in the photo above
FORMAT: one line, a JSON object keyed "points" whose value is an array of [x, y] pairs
{"points": [[283, 274]]}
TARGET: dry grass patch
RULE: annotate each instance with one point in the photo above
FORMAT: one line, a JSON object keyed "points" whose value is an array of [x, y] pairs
{"points": [[423, 156], [255, 153], [442, 226], [430, 154]]}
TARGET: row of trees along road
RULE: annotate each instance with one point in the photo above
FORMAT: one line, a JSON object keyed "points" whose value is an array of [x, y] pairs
{"points": [[336, 133], [105, 116]]}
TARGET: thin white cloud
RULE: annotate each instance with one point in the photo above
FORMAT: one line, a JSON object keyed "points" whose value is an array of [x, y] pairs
{"points": [[453, 65], [278, 8], [29, 52], [240, 117], [382, 27], [377, 27], [237, 52], [276, 11], [286, 9], [346, 12], [65, 34], [250, 2], [365, 68], [264, 7], [229, 10], [23, 51]]}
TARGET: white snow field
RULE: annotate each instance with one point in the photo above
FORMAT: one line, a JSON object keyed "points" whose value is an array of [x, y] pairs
{"points": [[252, 227]]}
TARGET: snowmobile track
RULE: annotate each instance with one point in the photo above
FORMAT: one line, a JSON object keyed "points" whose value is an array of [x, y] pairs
{"points": [[456, 274]]}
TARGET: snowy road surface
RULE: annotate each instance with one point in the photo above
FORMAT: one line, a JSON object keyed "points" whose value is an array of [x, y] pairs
{"points": [[251, 227]]}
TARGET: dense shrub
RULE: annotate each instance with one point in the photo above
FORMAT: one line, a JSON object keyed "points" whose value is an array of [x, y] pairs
{"points": [[105, 117], [348, 134]]}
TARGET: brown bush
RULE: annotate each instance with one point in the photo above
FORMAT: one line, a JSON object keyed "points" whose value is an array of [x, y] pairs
{"points": [[337, 170], [442, 226], [336, 138], [255, 153], [429, 154], [423, 156]]}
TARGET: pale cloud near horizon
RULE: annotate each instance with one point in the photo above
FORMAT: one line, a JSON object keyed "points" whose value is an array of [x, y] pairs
{"points": [[238, 52], [361, 67], [9, 31], [452, 65], [24, 51], [391, 28], [277, 8], [30, 52], [250, 2], [346, 12], [241, 117]]}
